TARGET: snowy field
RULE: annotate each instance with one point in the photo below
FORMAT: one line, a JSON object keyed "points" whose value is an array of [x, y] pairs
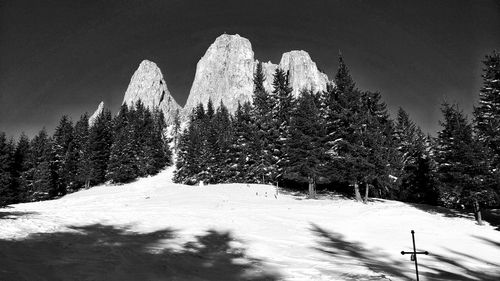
{"points": [[153, 229]]}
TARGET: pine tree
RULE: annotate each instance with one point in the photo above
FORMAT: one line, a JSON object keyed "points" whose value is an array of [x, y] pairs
{"points": [[282, 111], [40, 177], [487, 114], [64, 158], [122, 166], [176, 128], [8, 193], [141, 124], [306, 152], [189, 163], [379, 143], [21, 165], [161, 155], [359, 138], [98, 149], [344, 123], [244, 148], [416, 174], [462, 167], [82, 150], [221, 158], [265, 130]]}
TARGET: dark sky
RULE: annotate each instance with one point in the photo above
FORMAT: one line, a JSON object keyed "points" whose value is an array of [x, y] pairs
{"points": [[64, 57]]}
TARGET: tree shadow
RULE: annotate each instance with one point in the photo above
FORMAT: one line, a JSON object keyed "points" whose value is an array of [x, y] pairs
{"points": [[455, 269], [354, 254], [100, 252], [14, 214], [490, 216], [443, 268], [489, 241], [446, 212]]}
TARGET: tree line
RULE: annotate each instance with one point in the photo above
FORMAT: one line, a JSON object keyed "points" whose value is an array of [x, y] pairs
{"points": [[118, 149], [343, 138]]}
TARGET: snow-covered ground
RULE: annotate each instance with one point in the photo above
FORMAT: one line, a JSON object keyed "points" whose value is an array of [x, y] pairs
{"points": [[153, 229]]}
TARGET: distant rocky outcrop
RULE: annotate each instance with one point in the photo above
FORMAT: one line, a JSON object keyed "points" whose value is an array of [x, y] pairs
{"points": [[148, 85], [226, 72], [96, 114]]}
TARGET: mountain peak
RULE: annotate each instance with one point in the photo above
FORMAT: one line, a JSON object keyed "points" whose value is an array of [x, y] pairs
{"points": [[96, 114], [224, 73], [148, 85]]}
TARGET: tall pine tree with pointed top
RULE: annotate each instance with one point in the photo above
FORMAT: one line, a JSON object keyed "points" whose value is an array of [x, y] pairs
{"points": [[122, 165], [306, 154], [82, 148], [264, 167], [8, 193], [462, 167], [282, 110], [99, 147], [64, 156], [487, 115], [21, 165], [39, 177]]}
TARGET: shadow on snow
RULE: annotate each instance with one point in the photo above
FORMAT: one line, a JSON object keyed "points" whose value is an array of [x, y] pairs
{"points": [[100, 252], [14, 215], [491, 216], [355, 254]]}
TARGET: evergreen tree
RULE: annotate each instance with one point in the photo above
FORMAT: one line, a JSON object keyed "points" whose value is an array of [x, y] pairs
{"points": [[382, 156], [306, 152], [189, 163], [161, 155], [221, 159], [141, 126], [21, 165], [82, 150], [282, 111], [416, 176], [122, 166], [245, 147], [64, 158], [462, 167], [347, 158], [176, 128], [39, 177], [8, 193], [98, 149], [359, 137], [487, 114], [265, 137]]}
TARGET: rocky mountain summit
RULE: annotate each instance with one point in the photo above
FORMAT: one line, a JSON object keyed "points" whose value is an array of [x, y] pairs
{"points": [[97, 112], [148, 85], [304, 73], [226, 72]]}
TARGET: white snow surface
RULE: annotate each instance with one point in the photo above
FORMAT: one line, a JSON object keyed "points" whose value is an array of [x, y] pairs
{"points": [[331, 238]]}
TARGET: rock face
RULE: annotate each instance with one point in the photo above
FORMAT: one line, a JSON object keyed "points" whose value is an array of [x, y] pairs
{"points": [[226, 71], [97, 112], [147, 84], [303, 72]]}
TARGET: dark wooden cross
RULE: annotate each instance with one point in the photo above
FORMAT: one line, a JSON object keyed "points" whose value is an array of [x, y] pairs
{"points": [[414, 253]]}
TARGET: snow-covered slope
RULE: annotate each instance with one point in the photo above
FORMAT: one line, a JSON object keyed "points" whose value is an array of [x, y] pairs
{"points": [[283, 237]]}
